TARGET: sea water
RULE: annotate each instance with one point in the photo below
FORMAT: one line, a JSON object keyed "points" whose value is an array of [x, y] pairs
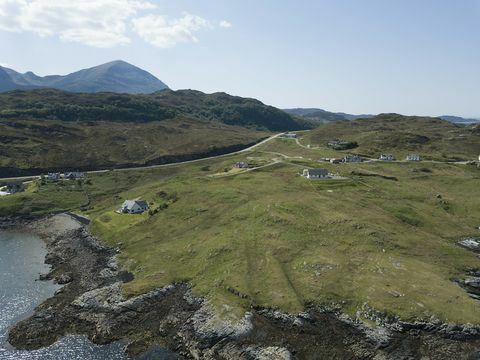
{"points": [[22, 258]]}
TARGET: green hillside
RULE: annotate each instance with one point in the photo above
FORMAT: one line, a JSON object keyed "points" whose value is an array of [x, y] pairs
{"points": [[51, 104], [432, 138], [43, 130], [35, 147], [271, 238]]}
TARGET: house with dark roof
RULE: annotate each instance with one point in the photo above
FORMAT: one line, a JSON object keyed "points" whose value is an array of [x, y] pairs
{"points": [[134, 207], [313, 174], [352, 158]]}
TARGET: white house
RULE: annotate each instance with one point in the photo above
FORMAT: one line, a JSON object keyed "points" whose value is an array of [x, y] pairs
{"points": [[315, 173], [413, 157], [134, 206], [387, 157], [289, 135]]}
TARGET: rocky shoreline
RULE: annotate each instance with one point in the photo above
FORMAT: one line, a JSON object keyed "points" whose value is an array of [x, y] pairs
{"points": [[91, 303]]}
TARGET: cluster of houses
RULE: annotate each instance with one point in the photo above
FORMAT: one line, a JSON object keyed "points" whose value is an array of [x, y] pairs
{"points": [[72, 175]]}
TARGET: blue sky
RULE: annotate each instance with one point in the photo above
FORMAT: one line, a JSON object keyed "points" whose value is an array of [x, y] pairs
{"points": [[358, 56]]}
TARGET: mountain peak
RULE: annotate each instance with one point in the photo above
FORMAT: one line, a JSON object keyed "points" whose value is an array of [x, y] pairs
{"points": [[115, 76]]}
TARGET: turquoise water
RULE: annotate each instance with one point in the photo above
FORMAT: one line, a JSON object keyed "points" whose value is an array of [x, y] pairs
{"points": [[21, 261]]}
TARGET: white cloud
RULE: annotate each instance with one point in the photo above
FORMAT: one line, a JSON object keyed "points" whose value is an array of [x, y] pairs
{"points": [[162, 32], [225, 24], [99, 23]]}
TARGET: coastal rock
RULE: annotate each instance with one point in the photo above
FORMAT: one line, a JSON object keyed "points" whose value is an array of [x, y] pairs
{"points": [[269, 353], [209, 325], [63, 279]]}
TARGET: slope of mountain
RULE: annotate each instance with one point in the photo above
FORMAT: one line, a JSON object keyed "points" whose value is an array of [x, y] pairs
{"points": [[51, 129], [220, 107], [322, 116], [315, 115], [459, 120], [432, 138], [116, 76]]}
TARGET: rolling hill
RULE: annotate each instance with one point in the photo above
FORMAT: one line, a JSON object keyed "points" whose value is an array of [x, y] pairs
{"points": [[432, 138], [116, 76], [322, 116], [48, 129]]}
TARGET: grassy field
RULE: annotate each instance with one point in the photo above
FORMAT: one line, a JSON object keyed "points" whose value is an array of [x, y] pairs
{"points": [[272, 238], [432, 138]]}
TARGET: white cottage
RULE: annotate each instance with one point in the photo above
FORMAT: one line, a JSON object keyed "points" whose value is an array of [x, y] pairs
{"points": [[134, 207], [413, 157]]}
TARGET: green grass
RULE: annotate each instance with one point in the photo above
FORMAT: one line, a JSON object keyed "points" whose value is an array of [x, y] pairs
{"points": [[284, 241]]}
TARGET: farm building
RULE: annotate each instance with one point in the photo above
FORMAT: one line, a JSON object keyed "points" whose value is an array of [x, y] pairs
{"points": [[315, 173], [134, 207]]}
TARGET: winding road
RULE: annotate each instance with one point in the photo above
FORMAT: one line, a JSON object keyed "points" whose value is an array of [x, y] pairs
{"points": [[250, 148]]}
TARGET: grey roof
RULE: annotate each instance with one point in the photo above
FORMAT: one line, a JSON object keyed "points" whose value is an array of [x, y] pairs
{"points": [[142, 203], [128, 204], [317, 172]]}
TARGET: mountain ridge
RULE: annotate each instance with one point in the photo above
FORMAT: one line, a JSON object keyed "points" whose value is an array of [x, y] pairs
{"points": [[322, 116], [116, 76]]}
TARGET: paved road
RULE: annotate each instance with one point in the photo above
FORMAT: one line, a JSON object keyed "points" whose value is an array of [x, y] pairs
{"points": [[27, 178]]}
